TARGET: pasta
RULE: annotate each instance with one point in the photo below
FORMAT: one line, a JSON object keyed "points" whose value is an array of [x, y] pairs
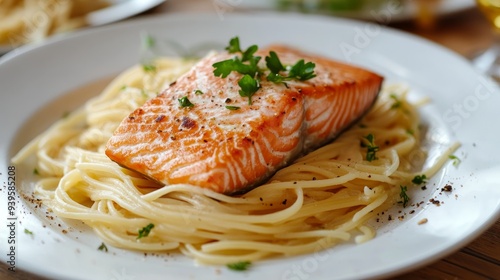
{"points": [[26, 21], [324, 198]]}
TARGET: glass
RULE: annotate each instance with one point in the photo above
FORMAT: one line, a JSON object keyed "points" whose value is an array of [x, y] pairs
{"points": [[489, 61]]}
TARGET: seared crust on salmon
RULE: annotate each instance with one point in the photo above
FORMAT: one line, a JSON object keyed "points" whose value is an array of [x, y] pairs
{"points": [[225, 144]]}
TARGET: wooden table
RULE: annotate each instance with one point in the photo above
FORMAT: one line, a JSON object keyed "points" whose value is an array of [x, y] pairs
{"points": [[466, 33]]}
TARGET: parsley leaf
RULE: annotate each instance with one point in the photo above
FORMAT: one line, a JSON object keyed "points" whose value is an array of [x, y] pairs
{"points": [[273, 63], [372, 149], [456, 160], [224, 68], [248, 86], [397, 103], [239, 266], [302, 71], [248, 54], [184, 102], [145, 231], [27, 231], [198, 92], [234, 45], [403, 195], [149, 68], [148, 41], [419, 179]]}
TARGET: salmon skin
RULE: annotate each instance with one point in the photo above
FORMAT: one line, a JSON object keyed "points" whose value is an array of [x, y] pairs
{"points": [[223, 143]]}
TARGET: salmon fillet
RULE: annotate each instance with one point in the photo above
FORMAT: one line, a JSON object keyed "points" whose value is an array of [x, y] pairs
{"points": [[230, 151]]}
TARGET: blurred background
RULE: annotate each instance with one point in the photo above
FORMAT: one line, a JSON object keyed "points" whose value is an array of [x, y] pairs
{"points": [[456, 24]]}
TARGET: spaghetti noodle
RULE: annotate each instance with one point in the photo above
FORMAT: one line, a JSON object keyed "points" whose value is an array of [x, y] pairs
{"points": [[325, 197]]}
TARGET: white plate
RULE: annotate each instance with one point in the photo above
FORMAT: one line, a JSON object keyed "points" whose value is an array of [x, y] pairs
{"points": [[120, 9], [464, 105], [389, 12]]}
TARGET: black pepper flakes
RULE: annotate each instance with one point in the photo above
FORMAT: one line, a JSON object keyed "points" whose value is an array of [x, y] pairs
{"points": [[447, 188], [435, 201]]}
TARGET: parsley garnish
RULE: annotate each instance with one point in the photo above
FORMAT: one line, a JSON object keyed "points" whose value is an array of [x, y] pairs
{"points": [[149, 41], [372, 149], [184, 102], [27, 231], [103, 247], [419, 179], [234, 45], [273, 63], [456, 160], [145, 231], [149, 68], [240, 266], [36, 172], [397, 103], [404, 196], [247, 66], [302, 71], [248, 86], [198, 92], [232, 108]]}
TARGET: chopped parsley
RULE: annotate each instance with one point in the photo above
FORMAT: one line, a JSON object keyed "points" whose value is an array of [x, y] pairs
{"points": [[249, 87], [239, 266], [27, 231], [456, 160], [397, 103], [419, 179], [247, 65], [149, 68], [372, 149], [184, 102], [36, 172], [273, 63], [148, 41], [404, 196], [234, 45], [198, 92], [302, 71], [103, 247], [145, 231], [232, 108]]}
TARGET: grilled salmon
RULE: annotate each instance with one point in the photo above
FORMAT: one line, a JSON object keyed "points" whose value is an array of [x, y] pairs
{"points": [[221, 142]]}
